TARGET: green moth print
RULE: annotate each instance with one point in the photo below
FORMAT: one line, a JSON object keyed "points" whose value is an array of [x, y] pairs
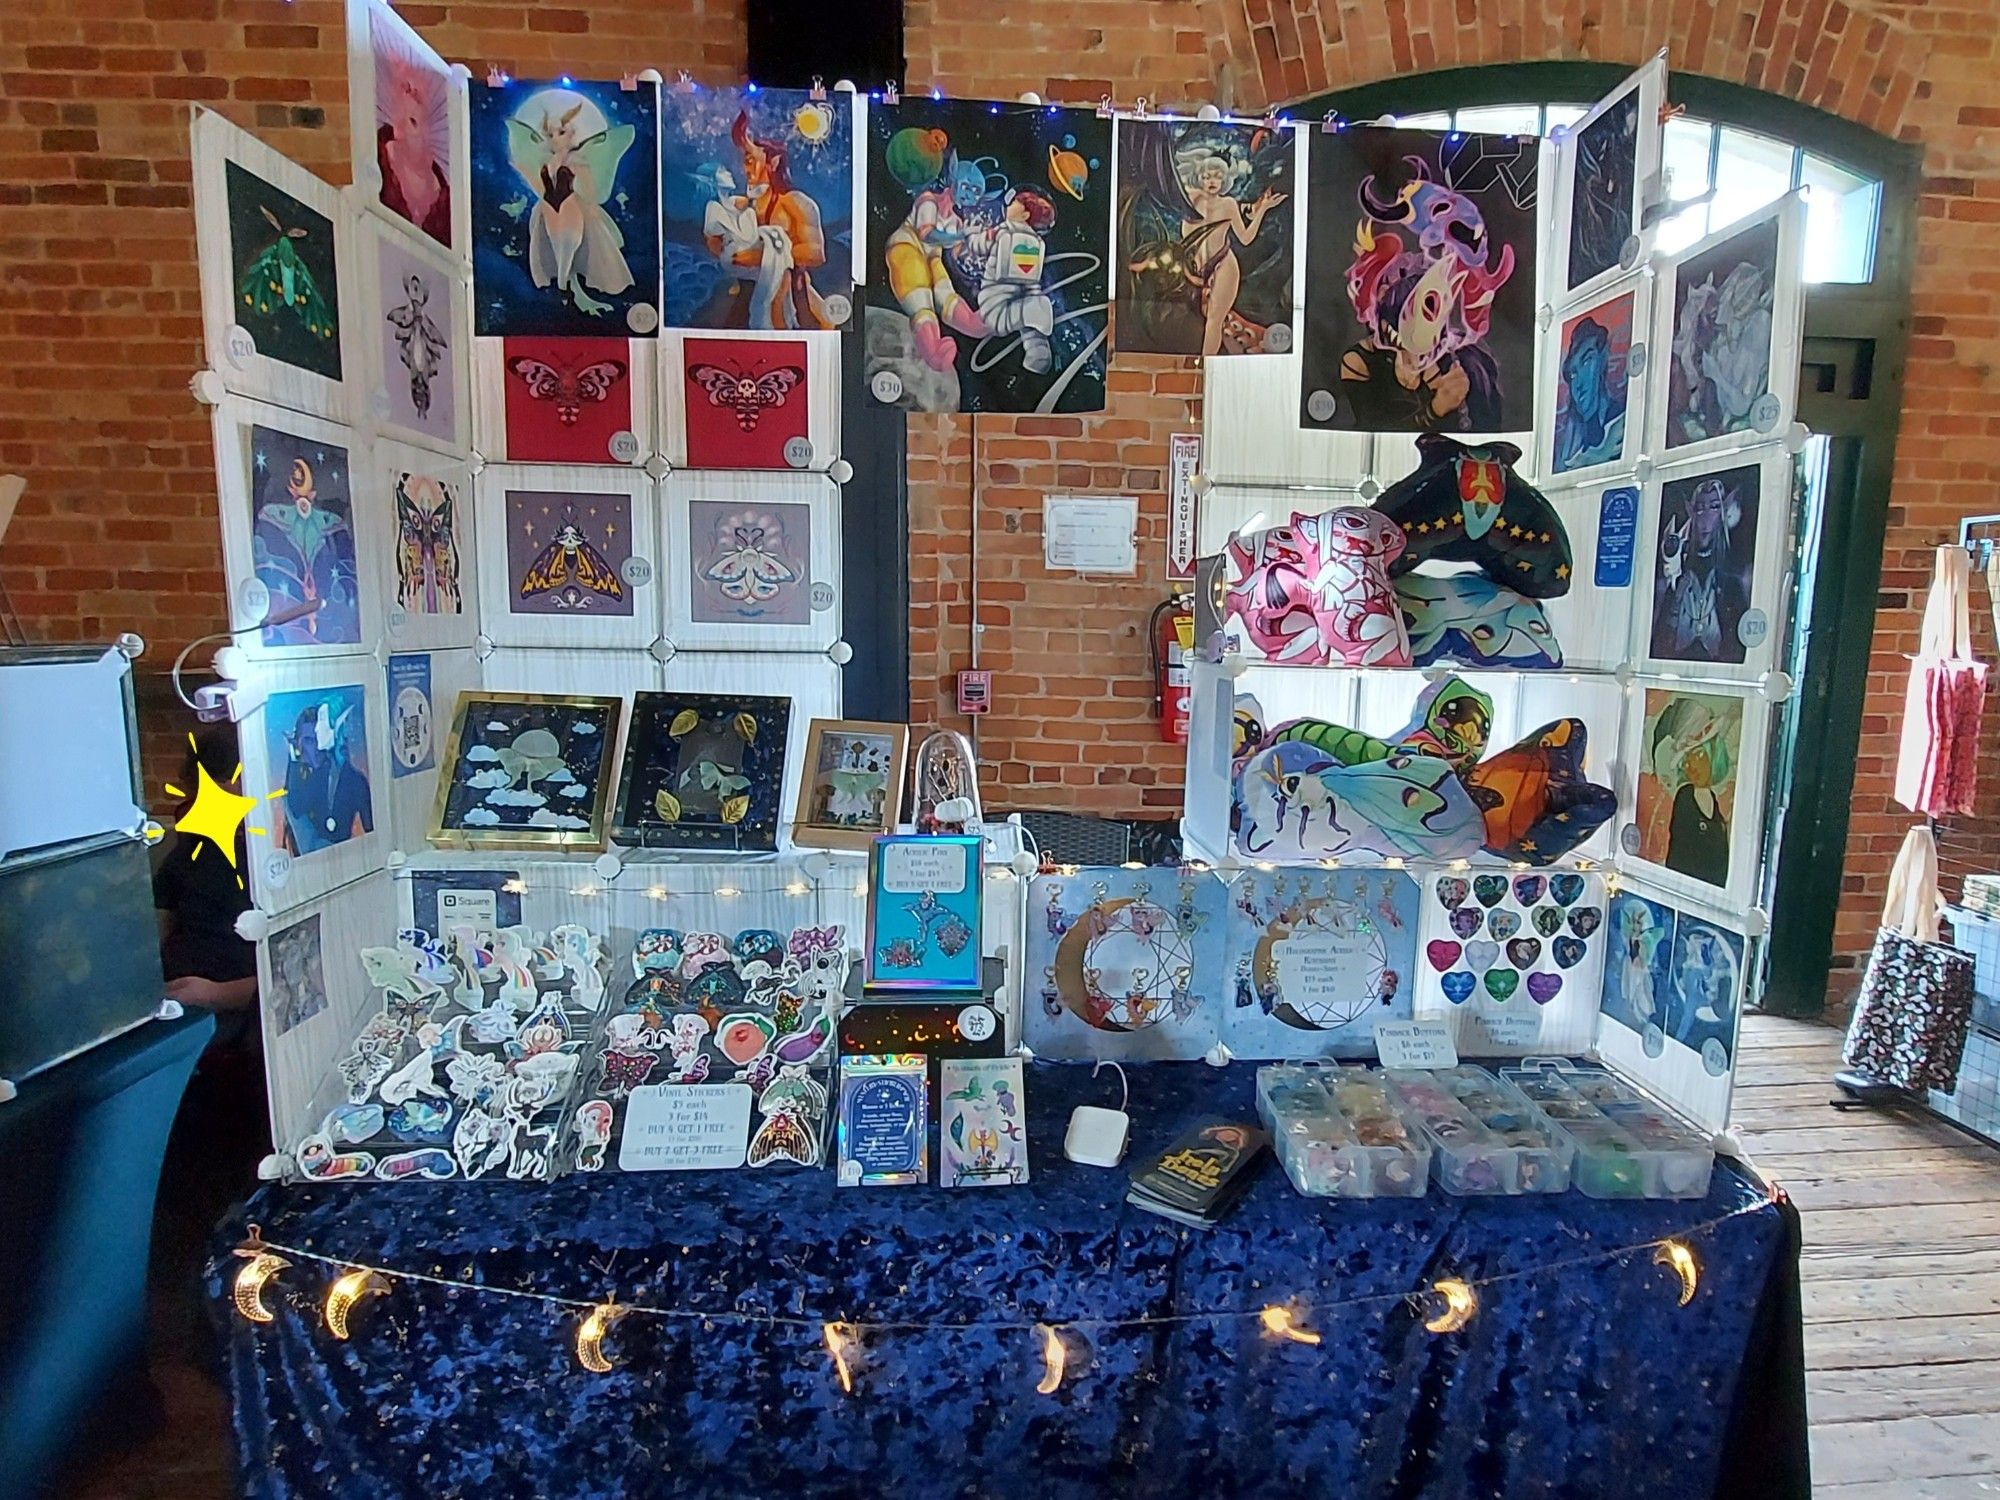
{"points": [[282, 254]]}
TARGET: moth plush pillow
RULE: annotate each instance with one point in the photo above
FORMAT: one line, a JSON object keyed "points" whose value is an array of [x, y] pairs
{"points": [[1536, 801], [1294, 800], [1467, 617], [1465, 503]]}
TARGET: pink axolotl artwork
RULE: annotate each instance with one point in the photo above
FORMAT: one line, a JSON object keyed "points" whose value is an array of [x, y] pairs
{"points": [[1270, 594], [1318, 590]]}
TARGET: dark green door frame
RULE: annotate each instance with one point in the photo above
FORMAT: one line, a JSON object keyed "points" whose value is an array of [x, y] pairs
{"points": [[1850, 392]]}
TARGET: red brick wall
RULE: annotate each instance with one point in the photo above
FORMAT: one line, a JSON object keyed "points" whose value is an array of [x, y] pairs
{"points": [[99, 324]]}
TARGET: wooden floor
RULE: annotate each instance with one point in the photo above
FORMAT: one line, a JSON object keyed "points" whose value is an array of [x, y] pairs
{"points": [[1902, 1297]]}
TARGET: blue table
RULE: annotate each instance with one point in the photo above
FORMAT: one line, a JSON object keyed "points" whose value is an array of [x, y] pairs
{"points": [[1584, 1380]]}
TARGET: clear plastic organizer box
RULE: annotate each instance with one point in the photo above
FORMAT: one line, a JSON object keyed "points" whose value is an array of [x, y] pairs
{"points": [[1485, 1136], [1339, 1134], [1628, 1145]]}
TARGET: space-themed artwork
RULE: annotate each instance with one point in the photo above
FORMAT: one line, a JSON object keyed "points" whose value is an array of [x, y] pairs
{"points": [[757, 200], [1704, 567], [988, 228], [1719, 361], [1604, 191], [1593, 385], [281, 260], [565, 208], [1204, 246], [302, 537], [703, 772], [526, 770], [1673, 976], [747, 402], [1420, 250], [566, 552]]}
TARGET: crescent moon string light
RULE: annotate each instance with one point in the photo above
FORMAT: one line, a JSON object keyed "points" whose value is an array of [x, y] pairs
{"points": [[344, 1293], [1460, 1303], [590, 1337]]}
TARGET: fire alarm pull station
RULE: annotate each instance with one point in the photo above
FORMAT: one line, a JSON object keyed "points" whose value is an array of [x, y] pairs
{"points": [[975, 691]]}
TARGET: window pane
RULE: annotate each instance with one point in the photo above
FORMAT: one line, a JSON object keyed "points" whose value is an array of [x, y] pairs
{"points": [[1502, 119], [1566, 114], [1750, 171], [1436, 120], [1841, 210], [1684, 149]]}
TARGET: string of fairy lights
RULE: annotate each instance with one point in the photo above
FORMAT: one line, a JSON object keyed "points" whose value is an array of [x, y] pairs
{"points": [[1445, 1306]]}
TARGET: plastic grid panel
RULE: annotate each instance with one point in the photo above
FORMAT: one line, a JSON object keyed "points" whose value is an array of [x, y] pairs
{"points": [[1975, 1103]]}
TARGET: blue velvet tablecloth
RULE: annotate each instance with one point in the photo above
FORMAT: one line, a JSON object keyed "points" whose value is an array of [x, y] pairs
{"points": [[1583, 1381]]}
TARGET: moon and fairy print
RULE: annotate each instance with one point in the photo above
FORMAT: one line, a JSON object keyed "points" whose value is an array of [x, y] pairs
{"points": [[525, 771]]}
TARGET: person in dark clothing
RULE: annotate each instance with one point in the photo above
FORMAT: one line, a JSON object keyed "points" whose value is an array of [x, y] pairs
{"points": [[199, 895]]}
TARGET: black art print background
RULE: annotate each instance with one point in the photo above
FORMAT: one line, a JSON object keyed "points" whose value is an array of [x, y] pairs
{"points": [[657, 759], [1604, 191], [1053, 152], [1497, 176], [528, 767], [1705, 565], [302, 329]]}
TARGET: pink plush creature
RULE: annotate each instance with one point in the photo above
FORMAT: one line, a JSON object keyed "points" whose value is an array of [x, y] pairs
{"points": [[1345, 554], [1271, 594]]}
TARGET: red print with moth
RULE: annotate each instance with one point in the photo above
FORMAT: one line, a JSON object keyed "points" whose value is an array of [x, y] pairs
{"points": [[566, 399], [745, 400]]}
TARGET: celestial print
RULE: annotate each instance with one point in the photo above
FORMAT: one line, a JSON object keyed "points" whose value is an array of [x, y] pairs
{"points": [[1704, 565], [1205, 214], [427, 545], [316, 745], [417, 368], [566, 552], [1605, 191], [566, 399], [1432, 238], [1592, 391], [281, 258], [412, 127], [1719, 378], [748, 402], [529, 766], [757, 195], [302, 537], [988, 226], [1689, 751], [565, 209], [750, 563], [298, 974]]}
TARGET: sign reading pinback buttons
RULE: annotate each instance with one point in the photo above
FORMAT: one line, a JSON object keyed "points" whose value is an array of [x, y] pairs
{"points": [[636, 571], [821, 597], [238, 346], [886, 386], [1320, 406], [976, 1023], [1753, 627], [642, 317], [625, 447], [1278, 338], [839, 308], [798, 452]]}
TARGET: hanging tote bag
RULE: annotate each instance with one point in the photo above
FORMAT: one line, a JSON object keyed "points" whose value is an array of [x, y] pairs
{"points": [[1944, 698], [1910, 1023]]}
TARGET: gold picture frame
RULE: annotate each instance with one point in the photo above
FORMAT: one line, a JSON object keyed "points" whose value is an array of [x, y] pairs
{"points": [[882, 753], [552, 761]]}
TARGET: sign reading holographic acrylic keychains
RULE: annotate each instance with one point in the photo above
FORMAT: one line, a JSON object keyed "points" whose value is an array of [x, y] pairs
{"points": [[884, 1118]]}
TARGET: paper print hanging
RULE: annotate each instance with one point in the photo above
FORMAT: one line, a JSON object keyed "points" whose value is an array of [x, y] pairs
{"points": [[1704, 568], [1673, 976], [282, 265], [302, 537], [409, 129], [1719, 368], [566, 552], [567, 399], [1432, 238], [747, 403], [703, 772], [316, 750], [565, 208], [1314, 959], [1124, 964], [750, 564], [428, 516], [418, 323], [525, 771], [1204, 237], [298, 975], [1604, 191], [757, 195], [1594, 374], [987, 231], [1691, 745], [1512, 960]]}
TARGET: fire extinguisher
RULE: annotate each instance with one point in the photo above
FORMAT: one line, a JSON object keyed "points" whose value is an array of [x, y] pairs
{"points": [[1169, 644]]}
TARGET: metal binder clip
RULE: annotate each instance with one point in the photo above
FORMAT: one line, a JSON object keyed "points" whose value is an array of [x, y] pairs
{"points": [[817, 93], [1331, 123], [1104, 107]]}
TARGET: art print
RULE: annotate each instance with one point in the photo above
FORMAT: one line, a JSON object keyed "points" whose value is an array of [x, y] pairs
{"points": [[982, 1122], [1691, 745], [703, 771], [1593, 385], [851, 783], [298, 975], [1204, 237], [757, 195], [750, 564], [524, 770], [987, 232], [747, 403], [420, 381], [1604, 191], [567, 400], [925, 895], [1432, 238], [566, 553], [565, 208], [412, 146], [1719, 367], [282, 266], [302, 537], [1674, 976], [316, 751], [1704, 565], [412, 715], [429, 512]]}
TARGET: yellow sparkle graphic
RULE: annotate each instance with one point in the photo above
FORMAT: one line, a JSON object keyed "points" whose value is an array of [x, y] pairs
{"points": [[217, 812]]}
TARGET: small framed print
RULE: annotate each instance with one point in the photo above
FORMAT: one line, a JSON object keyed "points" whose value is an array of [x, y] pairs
{"points": [[883, 1134], [1711, 598], [850, 784], [1607, 169], [274, 249], [924, 898], [409, 127], [703, 771], [1593, 402], [425, 575], [526, 771], [1726, 336], [563, 400], [292, 534], [750, 400], [566, 556], [753, 561], [1696, 755], [415, 314]]}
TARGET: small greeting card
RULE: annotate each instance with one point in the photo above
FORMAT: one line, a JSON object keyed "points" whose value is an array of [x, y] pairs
{"points": [[884, 1119], [923, 913], [982, 1122]]}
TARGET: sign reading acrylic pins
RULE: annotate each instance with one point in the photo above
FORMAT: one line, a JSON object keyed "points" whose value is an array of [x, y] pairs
{"points": [[988, 226]]}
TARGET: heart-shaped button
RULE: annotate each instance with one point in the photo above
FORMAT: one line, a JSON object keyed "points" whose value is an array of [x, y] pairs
{"points": [[1528, 888], [1501, 983], [1481, 956], [1566, 888], [1585, 920], [1490, 889], [1548, 920], [1523, 952], [1503, 924], [1457, 987], [1442, 952], [1542, 988], [1465, 921], [1452, 891], [1568, 951]]}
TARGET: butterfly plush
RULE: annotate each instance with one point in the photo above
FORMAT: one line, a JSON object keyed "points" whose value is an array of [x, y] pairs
{"points": [[278, 278], [570, 564], [567, 390], [426, 548], [749, 396]]}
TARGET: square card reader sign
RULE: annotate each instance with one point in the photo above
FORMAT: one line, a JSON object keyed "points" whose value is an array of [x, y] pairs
{"points": [[685, 1127]]}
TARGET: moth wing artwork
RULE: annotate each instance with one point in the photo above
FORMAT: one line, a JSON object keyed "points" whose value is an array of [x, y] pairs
{"points": [[1432, 237], [1536, 800], [427, 554], [746, 402], [1204, 237], [570, 560], [566, 400], [1466, 503], [566, 390], [302, 537]]}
